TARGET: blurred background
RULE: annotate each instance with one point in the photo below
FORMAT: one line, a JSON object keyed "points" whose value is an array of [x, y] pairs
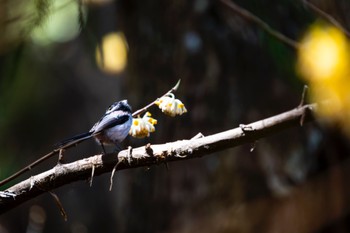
{"points": [[63, 62]]}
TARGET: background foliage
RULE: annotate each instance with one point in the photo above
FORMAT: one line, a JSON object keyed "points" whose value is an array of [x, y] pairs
{"points": [[53, 85]]}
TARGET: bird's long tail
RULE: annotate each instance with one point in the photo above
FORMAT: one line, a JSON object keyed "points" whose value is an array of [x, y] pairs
{"points": [[73, 140]]}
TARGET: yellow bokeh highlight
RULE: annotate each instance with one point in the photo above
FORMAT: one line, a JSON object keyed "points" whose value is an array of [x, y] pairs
{"points": [[324, 62], [324, 53], [111, 56]]}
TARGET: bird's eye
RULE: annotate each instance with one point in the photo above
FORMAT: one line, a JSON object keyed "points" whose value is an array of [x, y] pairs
{"points": [[109, 108]]}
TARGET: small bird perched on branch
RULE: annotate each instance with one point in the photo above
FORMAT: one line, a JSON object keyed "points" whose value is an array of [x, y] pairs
{"points": [[112, 128]]}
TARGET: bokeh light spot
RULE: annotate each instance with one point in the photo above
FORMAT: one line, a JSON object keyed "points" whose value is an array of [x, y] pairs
{"points": [[324, 53], [111, 56], [324, 62]]}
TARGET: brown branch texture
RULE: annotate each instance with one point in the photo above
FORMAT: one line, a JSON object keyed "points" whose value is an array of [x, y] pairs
{"points": [[149, 155]]}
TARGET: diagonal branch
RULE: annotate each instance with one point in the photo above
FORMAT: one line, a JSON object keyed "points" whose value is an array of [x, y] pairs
{"points": [[150, 155], [326, 16], [262, 24]]}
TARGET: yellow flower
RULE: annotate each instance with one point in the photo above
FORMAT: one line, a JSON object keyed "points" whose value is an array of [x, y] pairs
{"points": [[171, 106], [142, 127], [324, 61], [324, 54]]}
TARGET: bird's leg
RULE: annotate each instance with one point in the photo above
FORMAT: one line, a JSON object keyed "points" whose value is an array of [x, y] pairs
{"points": [[103, 148]]}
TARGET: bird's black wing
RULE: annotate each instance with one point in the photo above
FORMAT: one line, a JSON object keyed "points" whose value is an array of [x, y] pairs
{"points": [[107, 123]]}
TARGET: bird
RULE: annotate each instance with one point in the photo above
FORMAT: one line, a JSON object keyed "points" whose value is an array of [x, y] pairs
{"points": [[112, 128]]}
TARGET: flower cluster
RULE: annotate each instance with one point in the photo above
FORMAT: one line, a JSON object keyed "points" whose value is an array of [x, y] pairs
{"points": [[142, 127], [171, 106]]}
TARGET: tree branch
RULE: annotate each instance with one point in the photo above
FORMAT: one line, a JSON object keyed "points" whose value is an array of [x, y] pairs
{"points": [[262, 24], [327, 17], [150, 155]]}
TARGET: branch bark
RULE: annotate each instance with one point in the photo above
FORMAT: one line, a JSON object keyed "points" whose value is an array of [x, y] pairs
{"points": [[148, 155]]}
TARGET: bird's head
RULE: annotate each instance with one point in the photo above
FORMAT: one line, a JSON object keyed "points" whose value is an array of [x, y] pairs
{"points": [[119, 106]]}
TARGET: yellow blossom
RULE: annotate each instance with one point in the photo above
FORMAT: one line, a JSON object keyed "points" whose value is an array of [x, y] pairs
{"points": [[171, 106], [142, 127], [324, 62], [324, 54]]}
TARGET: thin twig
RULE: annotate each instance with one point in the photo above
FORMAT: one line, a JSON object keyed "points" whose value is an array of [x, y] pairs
{"points": [[92, 175], [144, 109], [326, 16], [303, 96], [251, 17], [59, 205], [112, 175], [302, 102]]}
